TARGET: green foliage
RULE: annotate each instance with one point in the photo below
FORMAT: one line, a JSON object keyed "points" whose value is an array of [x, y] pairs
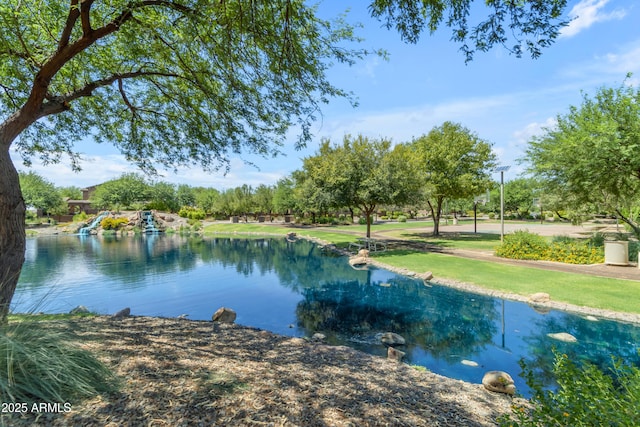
{"points": [[402, 218], [585, 397], [520, 25], [110, 223], [80, 217], [124, 191], [37, 365], [574, 157], [522, 244], [192, 213], [41, 194], [458, 165], [525, 245]]}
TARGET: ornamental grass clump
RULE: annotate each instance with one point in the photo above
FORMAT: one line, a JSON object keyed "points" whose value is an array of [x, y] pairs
{"points": [[38, 365], [585, 396]]}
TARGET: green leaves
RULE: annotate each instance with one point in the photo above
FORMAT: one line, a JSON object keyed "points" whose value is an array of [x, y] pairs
{"points": [[592, 152], [169, 83]]}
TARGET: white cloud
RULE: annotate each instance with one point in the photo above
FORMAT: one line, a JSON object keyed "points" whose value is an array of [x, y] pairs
{"points": [[588, 12], [522, 136]]}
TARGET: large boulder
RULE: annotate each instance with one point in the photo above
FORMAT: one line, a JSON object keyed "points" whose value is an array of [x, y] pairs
{"points": [[539, 297], [125, 312], [224, 315], [358, 260], [563, 336], [392, 339], [395, 354], [81, 309], [499, 382]]}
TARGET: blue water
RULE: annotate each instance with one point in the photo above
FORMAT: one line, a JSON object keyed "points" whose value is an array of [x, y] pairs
{"points": [[293, 288]]}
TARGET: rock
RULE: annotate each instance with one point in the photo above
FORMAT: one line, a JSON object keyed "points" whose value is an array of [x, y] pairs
{"points": [[499, 381], [395, 354], [358, 260], [539, 297], [125, 312], [224, 315], [291, 236], [392, 339], [385, 285], [81, 309], [563, 336], [364, 253], [592, 318], [469, 363], [183, 316], [318, 337], [427, 275]]}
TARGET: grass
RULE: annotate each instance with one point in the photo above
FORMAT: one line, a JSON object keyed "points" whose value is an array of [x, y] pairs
{"points": [[478, 241], [578, 289], [40, 365]]}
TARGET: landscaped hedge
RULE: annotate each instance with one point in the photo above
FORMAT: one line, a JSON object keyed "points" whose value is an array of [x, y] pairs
{"points": [[112, 223], [525, 245]]}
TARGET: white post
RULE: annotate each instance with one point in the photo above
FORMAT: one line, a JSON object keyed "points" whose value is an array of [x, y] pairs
{"points": [[502, 206]]}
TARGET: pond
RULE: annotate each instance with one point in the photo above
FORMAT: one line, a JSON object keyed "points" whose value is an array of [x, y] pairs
{"points": [[295, 289]]}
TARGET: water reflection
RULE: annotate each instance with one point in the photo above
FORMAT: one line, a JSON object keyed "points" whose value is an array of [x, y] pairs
{"points": [[293, 288]]}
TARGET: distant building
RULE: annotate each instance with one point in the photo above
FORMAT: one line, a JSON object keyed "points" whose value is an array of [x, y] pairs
{"points": [[84, 205]]}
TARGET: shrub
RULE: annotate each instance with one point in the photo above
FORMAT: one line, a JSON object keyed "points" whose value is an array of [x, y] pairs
{"points": [[109, 223], [522, 244], [80, 217], [586, 396], [192, 213], [38, 365], [362, 220], [525, 245], [402, 218]]}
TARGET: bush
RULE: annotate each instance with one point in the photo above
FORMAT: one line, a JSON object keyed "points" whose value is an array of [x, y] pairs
{"points": [[362, 220], [80, 217], [109, 223], [525, 245], [586, 396], [38, 365], [522, 244], [402, 218], [192, 213]]}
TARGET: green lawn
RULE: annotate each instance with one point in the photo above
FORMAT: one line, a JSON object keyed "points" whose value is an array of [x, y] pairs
{"points": [[578, 289], [462, 240]]}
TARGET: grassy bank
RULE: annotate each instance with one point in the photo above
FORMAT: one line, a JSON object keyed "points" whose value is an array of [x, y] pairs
{"points": [[578, 289]]}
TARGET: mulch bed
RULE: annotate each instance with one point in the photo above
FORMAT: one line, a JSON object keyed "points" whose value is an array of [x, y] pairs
{"points": [[178, 372]]}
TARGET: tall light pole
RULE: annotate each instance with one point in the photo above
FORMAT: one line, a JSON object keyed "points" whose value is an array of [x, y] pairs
{"points": [[502, 170]]}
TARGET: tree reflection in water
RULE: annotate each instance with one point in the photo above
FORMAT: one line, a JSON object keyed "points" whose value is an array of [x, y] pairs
{"points": [[272, 281]]}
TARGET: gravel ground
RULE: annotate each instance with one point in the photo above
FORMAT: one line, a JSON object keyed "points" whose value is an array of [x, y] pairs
{"points": [[191, 373]]}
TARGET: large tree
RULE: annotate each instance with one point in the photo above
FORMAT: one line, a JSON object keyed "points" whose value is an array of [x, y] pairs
{"points": [[363, 173], [40, 193], [592, 153], [455, 164], [168, 82], [121, 192], [190, 81]]}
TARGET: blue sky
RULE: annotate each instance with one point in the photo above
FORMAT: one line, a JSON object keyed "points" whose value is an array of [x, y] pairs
{"points": [[503, 99]]}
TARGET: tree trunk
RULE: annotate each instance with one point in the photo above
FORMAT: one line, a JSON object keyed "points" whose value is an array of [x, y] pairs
{"points": [[435, 215], [12, 230]]}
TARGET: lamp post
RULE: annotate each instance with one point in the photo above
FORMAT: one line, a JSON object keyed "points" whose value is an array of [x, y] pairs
{"points": [[502, 170]]}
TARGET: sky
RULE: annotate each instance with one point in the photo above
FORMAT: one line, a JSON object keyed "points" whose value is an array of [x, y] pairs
{"points": [[503, 99]]}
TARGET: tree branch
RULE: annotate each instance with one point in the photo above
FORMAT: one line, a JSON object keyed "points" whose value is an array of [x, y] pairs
{"points": [[85, 8], [74, 13], [58, 104]]}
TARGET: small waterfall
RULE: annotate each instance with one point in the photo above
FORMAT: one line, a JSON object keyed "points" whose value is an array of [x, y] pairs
{"points": [[148, 223], [94, 223]]}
